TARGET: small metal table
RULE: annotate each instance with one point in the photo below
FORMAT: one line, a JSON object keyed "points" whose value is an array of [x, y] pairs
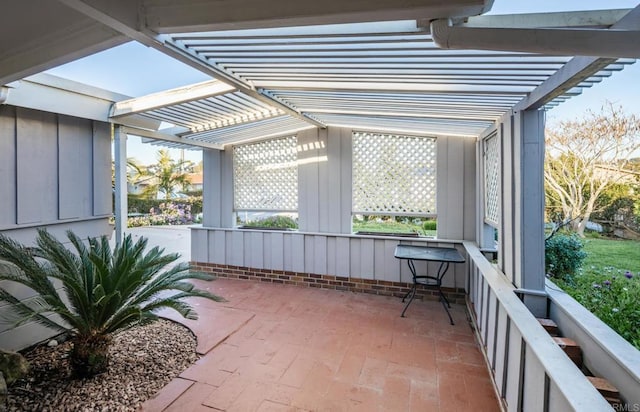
{"points": [[435, 254]]}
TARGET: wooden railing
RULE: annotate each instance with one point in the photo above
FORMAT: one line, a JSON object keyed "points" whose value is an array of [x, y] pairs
{"points": [[530, 372], [605, 353]]}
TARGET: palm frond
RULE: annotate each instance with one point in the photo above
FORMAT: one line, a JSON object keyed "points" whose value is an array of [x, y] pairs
{"points": [[23, 313], [175, 303], [103, 290]]}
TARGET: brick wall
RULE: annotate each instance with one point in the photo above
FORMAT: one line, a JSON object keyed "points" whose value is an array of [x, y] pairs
{"points": [[375, 287]]}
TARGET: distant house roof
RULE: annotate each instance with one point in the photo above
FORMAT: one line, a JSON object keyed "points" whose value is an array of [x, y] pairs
{"points": [[195, 178]]}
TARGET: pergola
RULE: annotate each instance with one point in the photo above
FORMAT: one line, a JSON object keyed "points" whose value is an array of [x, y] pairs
{"points": [[323, 70]]}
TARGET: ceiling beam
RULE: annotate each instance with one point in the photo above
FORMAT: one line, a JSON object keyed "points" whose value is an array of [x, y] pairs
{"points": [[170, 138], [123, 17], [613, 43], [574, 72], [373, 87], [57, 48], [170, 97], [196, 15], [590, 18]]}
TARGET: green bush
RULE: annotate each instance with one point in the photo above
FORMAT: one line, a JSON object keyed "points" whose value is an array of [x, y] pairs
{"points": [[563, 255], [430, 225], [276, 222], [141, 205]]}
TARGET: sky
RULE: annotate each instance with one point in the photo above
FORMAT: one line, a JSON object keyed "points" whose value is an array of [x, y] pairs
{"points": [[136, 70]]}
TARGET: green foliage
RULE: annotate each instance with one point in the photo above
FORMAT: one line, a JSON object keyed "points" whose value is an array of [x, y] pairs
{"points": [[612, 295], [276, 222], [620, 203], [167, 213], [563, 255], [193, 193], [430, 224], [103, 290], [167, 174], [394, 224], [608, 285], [141, 205]]}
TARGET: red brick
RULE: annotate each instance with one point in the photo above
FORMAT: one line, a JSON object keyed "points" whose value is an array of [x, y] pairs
{"points": [[167, 395]]}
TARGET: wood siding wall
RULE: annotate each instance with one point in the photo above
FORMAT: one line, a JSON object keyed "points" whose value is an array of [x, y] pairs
{"points": [[349, 256], [56, 173]]}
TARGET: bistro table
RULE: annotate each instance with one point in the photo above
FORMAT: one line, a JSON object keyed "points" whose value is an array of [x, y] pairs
{"points": [[443, 255]]}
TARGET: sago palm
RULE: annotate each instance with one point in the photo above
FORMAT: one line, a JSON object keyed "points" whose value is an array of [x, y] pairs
{"points": [[100, 291]]}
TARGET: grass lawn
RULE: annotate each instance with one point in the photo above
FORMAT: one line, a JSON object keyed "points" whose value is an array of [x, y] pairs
{"points": [[391, 226], [608, 284], [620, 254]]}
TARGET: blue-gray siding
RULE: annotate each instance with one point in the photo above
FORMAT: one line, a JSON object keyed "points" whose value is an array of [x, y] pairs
{"points": [[55, 172]]}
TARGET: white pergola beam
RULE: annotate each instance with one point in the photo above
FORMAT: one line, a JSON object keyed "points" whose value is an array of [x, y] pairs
{"points": [[590, 18], [171, 97], [373, 87], [612, 43], [574, 72], [412, 114], [170, 138], [123, 17], [196, 15]]}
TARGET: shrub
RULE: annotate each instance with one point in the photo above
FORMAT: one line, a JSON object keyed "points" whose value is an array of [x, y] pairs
{"points": [[563, 255], [142, 205], [279, 222], [430, 225], [103, 291], [166, 213]]}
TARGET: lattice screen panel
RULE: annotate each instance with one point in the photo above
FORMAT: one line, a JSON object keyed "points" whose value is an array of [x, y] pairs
{"points": [[492, 180], [394, 174], [266, 175]]}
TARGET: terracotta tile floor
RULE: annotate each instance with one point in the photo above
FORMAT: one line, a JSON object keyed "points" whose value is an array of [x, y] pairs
{"points": [[283, 348]]}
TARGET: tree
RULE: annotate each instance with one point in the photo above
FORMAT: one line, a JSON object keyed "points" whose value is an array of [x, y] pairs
{"points": [[168, 174], [134, 171], [103, 291], [585, 157]]}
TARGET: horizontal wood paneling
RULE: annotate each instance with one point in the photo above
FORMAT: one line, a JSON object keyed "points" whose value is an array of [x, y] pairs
{"points": [[337, 255]]}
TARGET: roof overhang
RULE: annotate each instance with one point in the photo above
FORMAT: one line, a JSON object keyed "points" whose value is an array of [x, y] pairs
{"points": [[440, 69]]}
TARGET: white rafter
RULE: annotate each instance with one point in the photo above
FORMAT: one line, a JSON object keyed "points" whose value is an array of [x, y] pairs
{"points": [[170, 97]]}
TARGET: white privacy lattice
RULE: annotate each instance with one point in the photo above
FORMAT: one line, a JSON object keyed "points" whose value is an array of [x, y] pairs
{"points": [[491, 180], [266, 175], [394, 174]]}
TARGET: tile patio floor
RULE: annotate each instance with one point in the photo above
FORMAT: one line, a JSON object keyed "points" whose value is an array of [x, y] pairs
{"points": [[285, 348]]}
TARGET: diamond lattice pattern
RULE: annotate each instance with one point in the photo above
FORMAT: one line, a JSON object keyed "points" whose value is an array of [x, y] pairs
{"points": [[491, 180], [266, 175], [394, 174]]}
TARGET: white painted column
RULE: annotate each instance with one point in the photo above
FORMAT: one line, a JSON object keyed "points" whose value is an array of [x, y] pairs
{"points": [[120, 157], [529, 210]]}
